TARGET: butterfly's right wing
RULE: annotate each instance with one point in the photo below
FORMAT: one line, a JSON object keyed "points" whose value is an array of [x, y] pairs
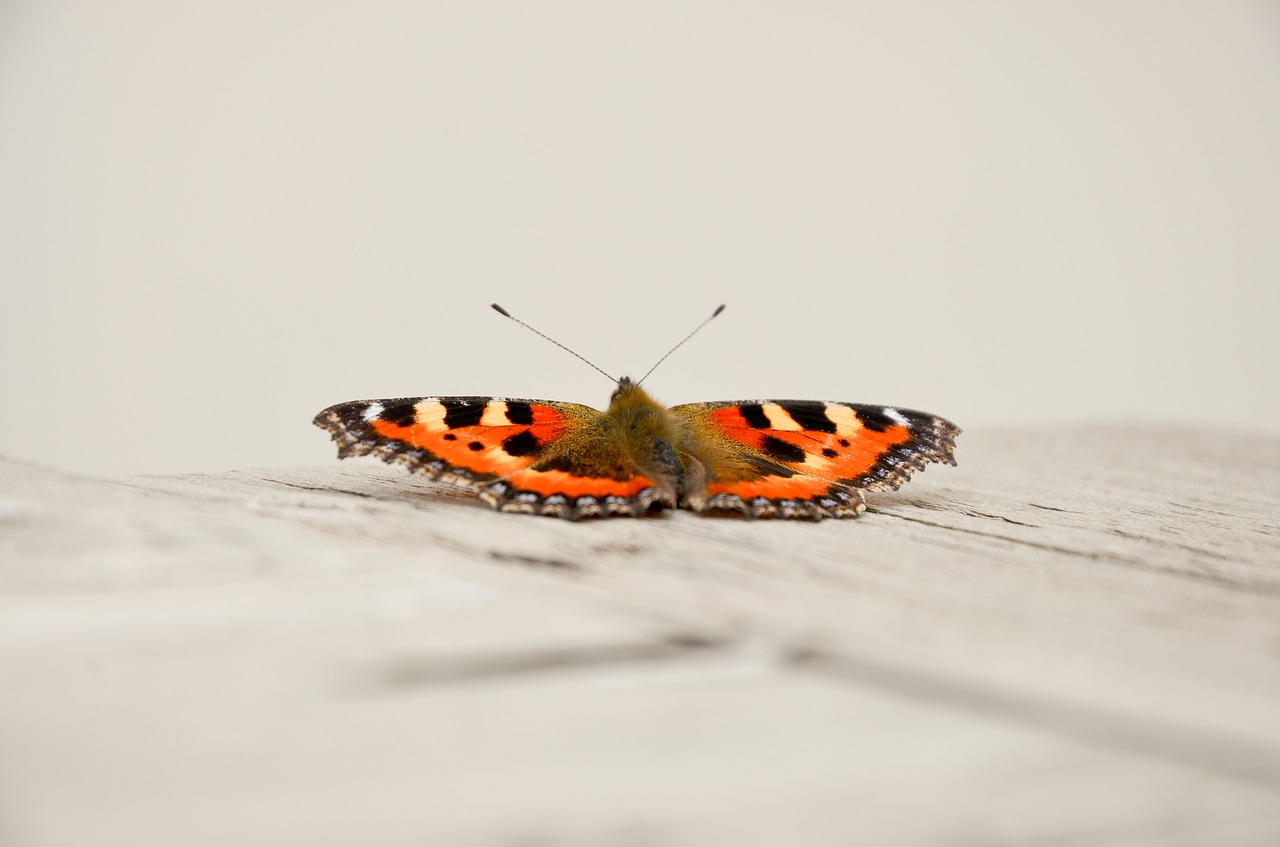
{"points": [[531, 456]]}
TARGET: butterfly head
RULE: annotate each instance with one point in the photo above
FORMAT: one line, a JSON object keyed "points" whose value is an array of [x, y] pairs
{"points": [[629, 400], [625, 387], [629, 395]]}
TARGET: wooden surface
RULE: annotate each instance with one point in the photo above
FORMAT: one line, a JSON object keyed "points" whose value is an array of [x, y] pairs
{"points": [[1071, 639]]}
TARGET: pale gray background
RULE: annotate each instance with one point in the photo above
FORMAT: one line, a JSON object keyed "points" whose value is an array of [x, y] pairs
{"points": [[216, 218]]}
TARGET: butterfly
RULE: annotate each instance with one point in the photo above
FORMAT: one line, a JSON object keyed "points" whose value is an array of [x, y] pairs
{"points": [[757, 459]]}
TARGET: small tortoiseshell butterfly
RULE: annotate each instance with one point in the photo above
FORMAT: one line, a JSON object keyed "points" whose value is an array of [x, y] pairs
{"points": [[759, 458]]}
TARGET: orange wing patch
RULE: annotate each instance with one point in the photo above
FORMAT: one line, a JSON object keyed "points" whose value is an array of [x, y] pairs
{"points": [[551, 482], [492, 445], [797, 487]]}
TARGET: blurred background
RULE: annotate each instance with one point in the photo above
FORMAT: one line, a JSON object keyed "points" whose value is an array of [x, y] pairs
{"points": [[218, 218]]}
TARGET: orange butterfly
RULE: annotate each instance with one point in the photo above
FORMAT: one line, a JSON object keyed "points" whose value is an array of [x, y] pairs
{"points": [[759, 459]]}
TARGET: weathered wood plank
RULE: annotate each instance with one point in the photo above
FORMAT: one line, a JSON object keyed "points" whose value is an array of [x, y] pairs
{"points": [[349, 654]]}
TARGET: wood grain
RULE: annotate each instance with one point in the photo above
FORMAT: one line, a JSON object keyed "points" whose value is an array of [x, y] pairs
{"points": [[1073, 638]]}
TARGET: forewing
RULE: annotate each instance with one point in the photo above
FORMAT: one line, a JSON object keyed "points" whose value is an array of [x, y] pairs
{"points": [[466, 441]]}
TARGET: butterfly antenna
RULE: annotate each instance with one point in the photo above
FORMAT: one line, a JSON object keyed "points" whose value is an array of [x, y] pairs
{"points": [[507, 314], [718, 310]]}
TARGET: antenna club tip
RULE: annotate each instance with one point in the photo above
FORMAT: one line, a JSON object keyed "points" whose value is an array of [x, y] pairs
{"points": [[718, 310], [507, 314]]}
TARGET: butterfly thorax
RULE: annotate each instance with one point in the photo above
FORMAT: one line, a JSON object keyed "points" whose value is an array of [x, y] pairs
{"points": [[638, 419], [648, 433], [631, 405]]}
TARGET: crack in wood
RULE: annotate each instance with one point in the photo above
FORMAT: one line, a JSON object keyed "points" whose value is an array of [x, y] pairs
{"points": [[1251, 586], [1177, 545], [976, 514], [1052, 508], [328, 489]]}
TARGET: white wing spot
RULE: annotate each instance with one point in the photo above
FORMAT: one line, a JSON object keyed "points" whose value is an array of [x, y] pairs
{"points": [[896, 416], [372, 411]]}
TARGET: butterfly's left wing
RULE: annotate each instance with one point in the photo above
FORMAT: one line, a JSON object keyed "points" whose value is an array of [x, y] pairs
{"points": [[802, 458]]}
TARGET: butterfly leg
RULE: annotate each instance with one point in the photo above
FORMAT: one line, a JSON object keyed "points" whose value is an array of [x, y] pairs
{"points": [[693, 483]]}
